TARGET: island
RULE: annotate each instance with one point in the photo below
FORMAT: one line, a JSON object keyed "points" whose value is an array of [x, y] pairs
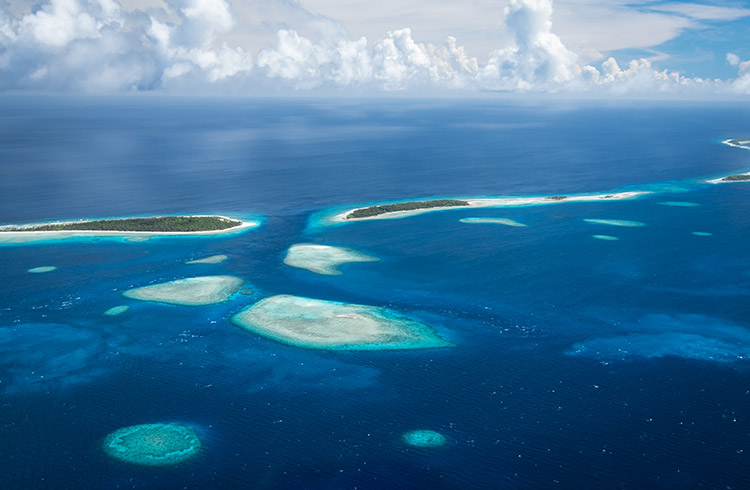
{"points": [[168, 224], [406, 209], [135, 229], [735, 178], [320, 324], [404, 206], [738, 142]]}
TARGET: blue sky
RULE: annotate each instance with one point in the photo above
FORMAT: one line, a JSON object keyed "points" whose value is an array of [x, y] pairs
{"points": [[360, 47]]}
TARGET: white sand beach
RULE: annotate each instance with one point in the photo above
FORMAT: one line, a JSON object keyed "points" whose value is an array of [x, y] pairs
{"points": [[493, 202], [26, 236]]}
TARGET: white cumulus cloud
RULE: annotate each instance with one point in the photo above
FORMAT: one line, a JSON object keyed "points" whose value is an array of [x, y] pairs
{"points": [[538, 59], [94, 46], [202, 45]]}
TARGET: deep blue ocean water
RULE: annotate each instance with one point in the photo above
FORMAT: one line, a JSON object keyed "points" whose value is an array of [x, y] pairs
{"points": [[579, 363]]}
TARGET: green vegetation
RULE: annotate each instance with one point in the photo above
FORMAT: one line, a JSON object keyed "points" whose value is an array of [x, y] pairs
{"points": [[404, 206], [736, 178], [556, 198], [156, 224]]}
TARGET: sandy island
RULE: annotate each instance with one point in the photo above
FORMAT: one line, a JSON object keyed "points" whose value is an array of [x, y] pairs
{"points": [[26, 236], [492, 202], [739, 177]]}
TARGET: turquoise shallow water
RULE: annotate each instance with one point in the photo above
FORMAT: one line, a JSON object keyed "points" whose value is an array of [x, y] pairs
{"points": [[576, 359]]}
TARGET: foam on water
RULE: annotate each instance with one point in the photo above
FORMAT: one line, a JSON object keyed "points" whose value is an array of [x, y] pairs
{"points": [[323, 259], [320, 324], [496, 221], [193, 291]]}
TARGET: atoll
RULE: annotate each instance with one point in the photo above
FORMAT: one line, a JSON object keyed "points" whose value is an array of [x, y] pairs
{"points": [[320, 324], [323, 259], [152, 444], [194, 291]]}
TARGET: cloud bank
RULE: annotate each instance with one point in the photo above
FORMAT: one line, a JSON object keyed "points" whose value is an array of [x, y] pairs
{"points": [[191, 46]]}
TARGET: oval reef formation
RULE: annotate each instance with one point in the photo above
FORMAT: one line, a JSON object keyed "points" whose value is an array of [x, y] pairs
{"points": [[320, 324], [424, 438], [42, 269], [193, 291], [152, 444]]}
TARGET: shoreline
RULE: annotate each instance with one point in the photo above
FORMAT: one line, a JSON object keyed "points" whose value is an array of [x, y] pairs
{"points": [[729, 143], [720, 180], [489, 202], [30, 235]]}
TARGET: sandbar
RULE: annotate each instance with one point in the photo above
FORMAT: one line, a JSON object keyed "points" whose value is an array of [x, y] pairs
{"points": [[193, 291], [615, 222], [117, 310], [213, 259], [24, 235], [323, 259], [492, 221], [491, 202], [152, 444], [320, 324], [605, 237], [42, 269]]}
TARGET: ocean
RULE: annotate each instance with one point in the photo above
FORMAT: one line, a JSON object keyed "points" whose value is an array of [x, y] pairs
{"points": [[578, 362]]}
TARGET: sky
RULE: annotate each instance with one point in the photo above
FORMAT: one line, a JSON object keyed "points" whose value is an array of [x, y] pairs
{"points": [[609, 48]]}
